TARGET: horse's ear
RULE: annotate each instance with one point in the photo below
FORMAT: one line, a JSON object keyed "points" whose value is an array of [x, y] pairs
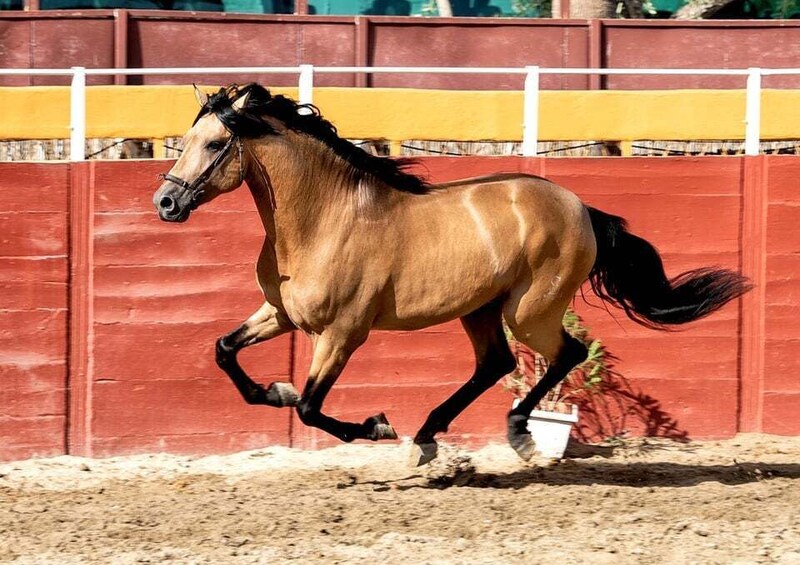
{"points": [[240, 102], [202, 97]]}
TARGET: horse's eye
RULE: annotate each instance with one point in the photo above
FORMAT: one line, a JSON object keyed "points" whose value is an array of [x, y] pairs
{"points": [[214, 145]]}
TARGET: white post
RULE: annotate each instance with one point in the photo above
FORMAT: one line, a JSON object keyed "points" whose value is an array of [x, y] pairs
{"points": [[752, 116], [77, 115], [530, 113], [306, 85]]}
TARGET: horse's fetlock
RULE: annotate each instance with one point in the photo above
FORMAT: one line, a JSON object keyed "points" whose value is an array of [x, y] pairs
{"points": [[224, 353], [306, 413], [517, 424], [436, 422], [252, 399], [281, 395]]}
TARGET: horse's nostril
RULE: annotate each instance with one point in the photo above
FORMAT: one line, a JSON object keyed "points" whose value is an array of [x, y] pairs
{"points": [[167, 204]]}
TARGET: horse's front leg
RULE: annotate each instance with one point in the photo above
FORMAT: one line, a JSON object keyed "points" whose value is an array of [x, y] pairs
{"points": [[330, 357], [265, 324]]}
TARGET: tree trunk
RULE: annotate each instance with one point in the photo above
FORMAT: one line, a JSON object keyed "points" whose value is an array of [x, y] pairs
{"points": [[589, 9], [586, 9], [445, 8]]}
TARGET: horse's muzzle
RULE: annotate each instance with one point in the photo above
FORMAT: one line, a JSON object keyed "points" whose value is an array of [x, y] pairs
{"points": [[172, 204]]}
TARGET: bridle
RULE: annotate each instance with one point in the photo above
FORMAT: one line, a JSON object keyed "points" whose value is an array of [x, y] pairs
{"points": [[194, 187]]}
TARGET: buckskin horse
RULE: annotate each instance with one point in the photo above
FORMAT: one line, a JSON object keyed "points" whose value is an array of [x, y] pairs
{"points": [[354, 242]]}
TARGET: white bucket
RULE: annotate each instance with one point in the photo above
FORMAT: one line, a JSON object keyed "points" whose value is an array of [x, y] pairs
{"points": [[550, 431]]}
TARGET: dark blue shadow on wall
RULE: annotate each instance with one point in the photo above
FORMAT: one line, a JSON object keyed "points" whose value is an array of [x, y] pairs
{"points": [[389, 8], [238, 6]]}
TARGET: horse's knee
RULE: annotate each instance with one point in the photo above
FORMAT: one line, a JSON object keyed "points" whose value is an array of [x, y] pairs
{"points": [[573, 352]]}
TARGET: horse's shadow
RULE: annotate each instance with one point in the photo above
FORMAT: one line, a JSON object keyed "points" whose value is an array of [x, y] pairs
{"points": [[638, 474]]}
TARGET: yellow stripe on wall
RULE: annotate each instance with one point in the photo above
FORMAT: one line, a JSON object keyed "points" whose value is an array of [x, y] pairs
{"points": [[631, 115], [404, 113], [143, 112], [154, 112]]}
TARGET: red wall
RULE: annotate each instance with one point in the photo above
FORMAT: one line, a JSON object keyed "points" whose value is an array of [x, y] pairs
{"points": [[149, 38], [131, 337], [781, 238], [33, 310]]}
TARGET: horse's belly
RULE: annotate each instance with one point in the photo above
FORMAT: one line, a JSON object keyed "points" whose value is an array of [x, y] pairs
{"points": [[433, 298]]}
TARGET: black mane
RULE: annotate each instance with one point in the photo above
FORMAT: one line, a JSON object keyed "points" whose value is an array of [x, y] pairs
{"points": [[304, 118]]}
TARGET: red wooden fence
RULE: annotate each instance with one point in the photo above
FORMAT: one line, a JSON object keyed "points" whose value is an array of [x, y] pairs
{"points": [[151, 38], [109, 316]]}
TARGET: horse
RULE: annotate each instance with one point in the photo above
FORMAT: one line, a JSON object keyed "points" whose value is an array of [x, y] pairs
{"points": [[354, 242]]}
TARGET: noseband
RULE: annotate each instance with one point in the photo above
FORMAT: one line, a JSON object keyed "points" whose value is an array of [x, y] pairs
{"points": [[194, 187]]}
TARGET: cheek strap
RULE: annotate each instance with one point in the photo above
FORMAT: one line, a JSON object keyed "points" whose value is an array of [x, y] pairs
{"points": [[194, 187]]}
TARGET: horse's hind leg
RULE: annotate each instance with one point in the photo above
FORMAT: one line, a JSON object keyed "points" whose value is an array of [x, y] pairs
{"points": [[265, 324], [563, 352], [493, 360], [331, 353]]}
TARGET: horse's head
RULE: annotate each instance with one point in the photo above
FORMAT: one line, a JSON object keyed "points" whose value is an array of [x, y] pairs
{"points": [[212, 161], [240, 129]]}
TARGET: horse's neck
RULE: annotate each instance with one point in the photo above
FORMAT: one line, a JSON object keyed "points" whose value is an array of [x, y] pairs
{"points": [[297, 189]]}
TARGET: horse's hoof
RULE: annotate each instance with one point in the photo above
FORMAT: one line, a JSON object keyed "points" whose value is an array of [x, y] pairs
{"points": [[384, 431], [524, 446], [381, 428], [423, 453], [519, 437], [282, 394]]}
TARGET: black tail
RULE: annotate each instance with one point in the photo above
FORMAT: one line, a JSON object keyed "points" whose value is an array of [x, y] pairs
{"points": [[628, 272]]}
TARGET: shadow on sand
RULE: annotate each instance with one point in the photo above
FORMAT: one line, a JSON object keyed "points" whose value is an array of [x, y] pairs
{"points": [[639, 474]]}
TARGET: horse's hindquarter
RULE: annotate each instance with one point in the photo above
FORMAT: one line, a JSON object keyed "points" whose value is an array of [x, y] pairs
{"points": [[465, 245]]}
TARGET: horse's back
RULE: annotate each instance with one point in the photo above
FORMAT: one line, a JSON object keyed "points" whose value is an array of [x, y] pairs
{"points": [[541, 210], [540, 194], [469, 242]]}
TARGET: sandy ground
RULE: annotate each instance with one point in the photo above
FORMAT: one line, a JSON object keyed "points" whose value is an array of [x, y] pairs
{"points": [[641, 502]]}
